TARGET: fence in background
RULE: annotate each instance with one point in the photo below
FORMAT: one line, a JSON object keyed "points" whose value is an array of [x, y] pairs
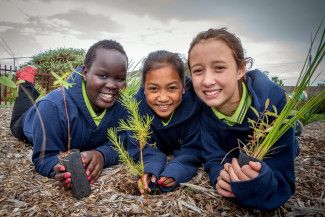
{"points": [[7, 95]]}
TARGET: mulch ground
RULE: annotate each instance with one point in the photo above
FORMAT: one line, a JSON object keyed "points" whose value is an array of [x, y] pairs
{"points": [[25, 193]]}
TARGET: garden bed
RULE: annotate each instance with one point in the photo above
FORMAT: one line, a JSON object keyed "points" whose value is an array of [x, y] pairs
{"points": [[25, 193]]}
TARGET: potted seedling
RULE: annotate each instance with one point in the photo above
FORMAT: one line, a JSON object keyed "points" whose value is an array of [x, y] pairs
{"points": [[71, 159], [270, 125], [135, 123]]}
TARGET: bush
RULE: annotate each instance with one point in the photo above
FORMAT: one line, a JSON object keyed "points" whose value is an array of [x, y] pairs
{"points": [[59, 61]]}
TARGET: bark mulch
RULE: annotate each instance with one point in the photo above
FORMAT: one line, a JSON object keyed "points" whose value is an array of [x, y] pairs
{"points": [[25, 193]]}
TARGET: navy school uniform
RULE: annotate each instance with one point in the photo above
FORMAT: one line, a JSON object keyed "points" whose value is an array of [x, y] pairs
{"points": [[180, 138], [276, 181], [84, 133]]}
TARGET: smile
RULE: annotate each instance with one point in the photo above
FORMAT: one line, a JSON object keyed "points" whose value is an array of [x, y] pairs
{"points": [[212, 92], [163, 107], [107, 96]]}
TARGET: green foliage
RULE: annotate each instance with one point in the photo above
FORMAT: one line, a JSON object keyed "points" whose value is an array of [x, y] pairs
{"points": [[61, 81], [7, 81], [40, 90], [275, 79], [278, 81], [135, 169], [137, 124], [59, 61], [265, 134]]}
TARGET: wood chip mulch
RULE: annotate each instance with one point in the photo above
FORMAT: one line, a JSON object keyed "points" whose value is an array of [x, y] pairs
{"points": [[25, 193]]}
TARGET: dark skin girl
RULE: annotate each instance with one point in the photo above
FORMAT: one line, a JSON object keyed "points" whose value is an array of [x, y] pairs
{"points": [[103, 79]]}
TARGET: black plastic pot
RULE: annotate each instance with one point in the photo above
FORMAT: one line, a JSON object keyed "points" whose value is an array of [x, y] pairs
{"points": [[80, 186], [243, 159]]}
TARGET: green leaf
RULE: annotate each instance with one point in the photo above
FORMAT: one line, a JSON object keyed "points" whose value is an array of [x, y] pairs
{"points": [[275, 110], [255, 111], [267, 103], [7, 81]]}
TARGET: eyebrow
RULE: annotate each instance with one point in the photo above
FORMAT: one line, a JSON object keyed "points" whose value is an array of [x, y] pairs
{"points": [[173, 82]]}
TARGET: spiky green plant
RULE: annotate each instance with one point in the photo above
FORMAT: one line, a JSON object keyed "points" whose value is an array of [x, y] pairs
{"points": [[135, 123], [266, 134]]}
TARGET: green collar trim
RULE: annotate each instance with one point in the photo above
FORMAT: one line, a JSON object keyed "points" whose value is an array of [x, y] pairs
{"points": [[241, 110], [165, 123], [97, 118]]}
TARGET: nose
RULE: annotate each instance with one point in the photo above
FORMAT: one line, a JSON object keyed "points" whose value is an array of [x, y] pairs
{"points": [[208, 78], [111, 83], [163, 96]]}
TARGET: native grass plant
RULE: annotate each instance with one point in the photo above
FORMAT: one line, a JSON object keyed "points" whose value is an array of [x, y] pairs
{"points": [[135, 123], [266, 132]]}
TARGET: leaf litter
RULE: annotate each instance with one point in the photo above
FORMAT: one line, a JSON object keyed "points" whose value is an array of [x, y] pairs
{"points": [[23, 192]]}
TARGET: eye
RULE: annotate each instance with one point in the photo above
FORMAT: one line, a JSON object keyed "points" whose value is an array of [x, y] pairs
{"points": [[120, 79], [102, 76], [152, 89], [219, 68], [173, 88], [197, 71]]}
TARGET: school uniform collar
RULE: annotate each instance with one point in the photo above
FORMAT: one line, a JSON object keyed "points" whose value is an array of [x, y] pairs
{"points": [[239, 115]]}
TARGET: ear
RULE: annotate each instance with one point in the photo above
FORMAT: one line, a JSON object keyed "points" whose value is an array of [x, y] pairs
{"points": [[241, 72], [84, 72]]}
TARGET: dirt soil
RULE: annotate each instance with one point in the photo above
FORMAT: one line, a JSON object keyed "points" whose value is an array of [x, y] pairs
{"points": [[25, 193]]}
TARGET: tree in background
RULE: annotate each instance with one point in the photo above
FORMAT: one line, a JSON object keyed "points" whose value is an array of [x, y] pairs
{"points": [[60, 60], [275, 79]]}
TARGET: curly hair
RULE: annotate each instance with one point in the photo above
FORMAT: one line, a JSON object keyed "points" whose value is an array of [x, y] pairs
{"points": [[104, 44]]}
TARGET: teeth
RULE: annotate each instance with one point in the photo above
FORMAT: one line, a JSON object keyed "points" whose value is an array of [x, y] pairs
{"points": [[163, 106], [107, 96], [212, 92]]}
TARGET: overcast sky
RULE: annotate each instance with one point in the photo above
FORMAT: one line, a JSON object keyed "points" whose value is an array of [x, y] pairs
{"points": [[276, 33]]}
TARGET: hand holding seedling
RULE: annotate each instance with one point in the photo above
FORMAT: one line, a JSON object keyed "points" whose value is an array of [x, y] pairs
{"points": [[234, 173], [244, 173], [166, 182], [63, 177], [223, 186], [94, 163], [143, 182]]}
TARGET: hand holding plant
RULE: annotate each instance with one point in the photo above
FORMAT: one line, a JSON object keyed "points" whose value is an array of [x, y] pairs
{"points": [[166, 182], [94, 164], [266, 132], [143, 182]]}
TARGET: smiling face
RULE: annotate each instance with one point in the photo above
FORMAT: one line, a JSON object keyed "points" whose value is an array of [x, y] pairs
{"points": [[215, 74], [105, 78], [163, 89]]}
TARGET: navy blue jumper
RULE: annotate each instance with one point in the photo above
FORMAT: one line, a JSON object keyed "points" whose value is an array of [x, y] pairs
{"points": [[180, 138], [276, 181], [84, 133]]}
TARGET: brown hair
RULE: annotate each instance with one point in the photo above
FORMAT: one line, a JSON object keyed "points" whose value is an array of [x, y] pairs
{"points": [[230, 39]]}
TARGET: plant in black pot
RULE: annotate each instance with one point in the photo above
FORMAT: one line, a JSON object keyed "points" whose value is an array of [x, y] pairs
{"points": [[71, 159], [269, 125]]}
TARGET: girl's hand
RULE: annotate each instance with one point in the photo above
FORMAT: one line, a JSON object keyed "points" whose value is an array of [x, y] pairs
{"points": [[223, 186], [93, 163], [166, 182], [143, 182], [245, 173], [62, 177]]}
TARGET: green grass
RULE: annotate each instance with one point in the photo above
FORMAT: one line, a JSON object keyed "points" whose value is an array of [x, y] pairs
{"points": [[317, 117]]}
